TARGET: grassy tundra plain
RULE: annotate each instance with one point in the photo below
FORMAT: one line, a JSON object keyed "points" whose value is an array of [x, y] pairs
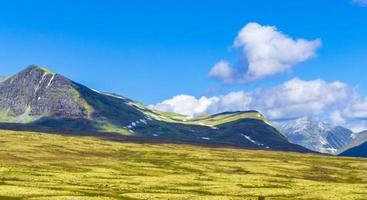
{"points": [[45, 166]]}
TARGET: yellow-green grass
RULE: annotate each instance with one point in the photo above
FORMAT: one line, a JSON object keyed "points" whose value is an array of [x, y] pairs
{"points": [[45, 166], [208, 120], [205, 120], [226, 118]]}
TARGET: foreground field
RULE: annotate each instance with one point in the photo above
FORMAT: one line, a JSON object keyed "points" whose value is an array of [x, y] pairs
{"points": [[43, 166]]}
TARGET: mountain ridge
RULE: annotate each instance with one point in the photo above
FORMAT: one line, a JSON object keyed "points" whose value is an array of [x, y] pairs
{"points": [[37, 98], [356, 151], [357, 147]]}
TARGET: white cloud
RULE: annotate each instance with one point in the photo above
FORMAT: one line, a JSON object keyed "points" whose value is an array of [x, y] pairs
{"points": [[190, 105], [267, 51], [334, 101], [223, 71], [360, 2], [294, 98], [337, 118], [356, 109], [186, 105], [297, 98], [232, 101]]}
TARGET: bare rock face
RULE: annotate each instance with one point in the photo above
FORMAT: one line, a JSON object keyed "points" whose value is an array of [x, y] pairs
{"points": [[35, 93]]}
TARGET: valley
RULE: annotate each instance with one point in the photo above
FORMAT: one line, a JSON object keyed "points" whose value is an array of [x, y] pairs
{"points": [[183, 100], [47, 166]]}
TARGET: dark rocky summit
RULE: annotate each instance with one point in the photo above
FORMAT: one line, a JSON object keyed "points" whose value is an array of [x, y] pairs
{"points": [[36, 92]]}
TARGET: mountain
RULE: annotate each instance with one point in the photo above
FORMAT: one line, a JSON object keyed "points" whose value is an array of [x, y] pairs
{"points": [[2, 78], [317, 136], [358, 139], [357, 147], [40, 100], [357, 151]]}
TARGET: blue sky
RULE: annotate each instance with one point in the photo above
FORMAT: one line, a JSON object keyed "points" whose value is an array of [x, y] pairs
{"points": [[153, 50]]}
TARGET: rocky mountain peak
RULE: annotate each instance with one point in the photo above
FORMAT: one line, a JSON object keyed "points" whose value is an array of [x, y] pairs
{"points": [[34, 72], [32, 68], [37, 92]]}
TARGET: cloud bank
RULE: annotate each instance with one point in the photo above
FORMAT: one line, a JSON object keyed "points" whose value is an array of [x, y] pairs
{"points": [[333, 101], [267, 51]]}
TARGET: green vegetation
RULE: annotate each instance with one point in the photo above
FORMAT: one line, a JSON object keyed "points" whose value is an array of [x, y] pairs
{"points": [[46, 166], [6, 117], [110, 128], [205, 120], [229, 117]]}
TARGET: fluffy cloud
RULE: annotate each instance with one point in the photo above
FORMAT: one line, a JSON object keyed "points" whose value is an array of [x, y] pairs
{"points": [[356, 109], [223, 71], [190, 105], [334, 101], [267, 52], [186, 105], [297, 98]]}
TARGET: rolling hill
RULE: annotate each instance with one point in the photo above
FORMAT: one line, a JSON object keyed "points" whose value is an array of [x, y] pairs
{"points": [[38, 166], [39, 100]]}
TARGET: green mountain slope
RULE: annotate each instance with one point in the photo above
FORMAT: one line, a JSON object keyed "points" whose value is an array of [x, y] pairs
{"points": [[40, 100]]}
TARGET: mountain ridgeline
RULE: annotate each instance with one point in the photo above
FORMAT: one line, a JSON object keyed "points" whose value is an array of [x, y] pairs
{"points": [[357, 151], [39, 100], [325, 138], [358, 146]]}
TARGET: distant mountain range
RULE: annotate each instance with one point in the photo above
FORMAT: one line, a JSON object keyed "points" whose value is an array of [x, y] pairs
{"points": [[39, 100], [317, 136], [321, 137]]}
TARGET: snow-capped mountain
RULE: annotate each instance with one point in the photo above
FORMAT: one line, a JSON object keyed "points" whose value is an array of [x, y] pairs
{"points": [[317, 136]]}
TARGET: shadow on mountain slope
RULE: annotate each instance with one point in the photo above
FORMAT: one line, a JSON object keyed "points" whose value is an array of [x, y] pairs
{"points": [[244, 133]]}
